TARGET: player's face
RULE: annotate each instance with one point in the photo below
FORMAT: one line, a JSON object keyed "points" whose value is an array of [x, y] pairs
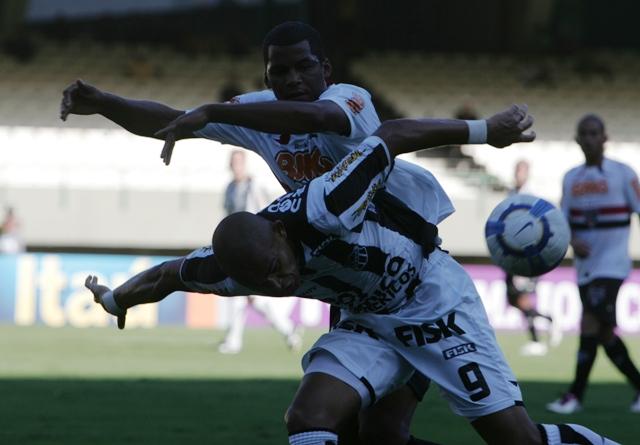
{"points": [[591, 138], [277, 272], [293, 72]]}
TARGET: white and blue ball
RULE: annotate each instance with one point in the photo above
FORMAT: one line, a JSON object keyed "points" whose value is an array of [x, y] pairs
{"points": [[527, 235]]}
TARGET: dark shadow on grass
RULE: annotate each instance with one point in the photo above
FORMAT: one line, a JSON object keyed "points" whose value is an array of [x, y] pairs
{"points": [[74, 411]]}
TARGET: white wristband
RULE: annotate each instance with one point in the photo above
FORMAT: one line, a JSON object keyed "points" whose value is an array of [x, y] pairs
{"points": [[110, 304], [477, 131]]}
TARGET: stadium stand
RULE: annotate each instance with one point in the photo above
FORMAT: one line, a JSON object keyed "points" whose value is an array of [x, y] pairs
{"points": [[55, 162]]}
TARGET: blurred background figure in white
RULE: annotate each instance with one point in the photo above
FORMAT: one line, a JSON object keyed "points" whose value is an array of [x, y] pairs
{"points": [[244, 194], [520, 290], [10, 239]]}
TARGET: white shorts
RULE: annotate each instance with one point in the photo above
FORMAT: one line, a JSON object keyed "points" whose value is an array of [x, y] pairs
{"points": [[443, 332]]}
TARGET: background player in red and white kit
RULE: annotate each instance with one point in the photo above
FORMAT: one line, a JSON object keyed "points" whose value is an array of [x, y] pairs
{"points": [[406, 303], [598, 199], [301, 126]]}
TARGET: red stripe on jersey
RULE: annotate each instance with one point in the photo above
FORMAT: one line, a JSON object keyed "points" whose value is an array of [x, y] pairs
{"points": [[601, 211]]}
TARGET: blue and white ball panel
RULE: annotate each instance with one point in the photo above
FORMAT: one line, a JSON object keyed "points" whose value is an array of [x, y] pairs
{"points": [[527, 235]]}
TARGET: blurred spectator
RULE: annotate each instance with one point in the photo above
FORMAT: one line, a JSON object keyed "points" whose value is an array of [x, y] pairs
{"points": [[140, 68], [229, 90], [10, 239], [243, 194], [20, 47], [520, 290]]}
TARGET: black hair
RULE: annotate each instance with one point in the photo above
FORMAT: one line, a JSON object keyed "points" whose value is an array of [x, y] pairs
{"points": [[592, 117], [290, 33]]}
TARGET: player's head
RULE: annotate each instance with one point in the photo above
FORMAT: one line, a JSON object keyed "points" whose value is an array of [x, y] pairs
{"points": [[296, 67], [591, 135], [257, 253], [238, 165], [521, 173]]}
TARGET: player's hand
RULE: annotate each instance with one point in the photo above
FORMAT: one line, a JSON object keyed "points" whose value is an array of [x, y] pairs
{"points": [[185, 124], [509, 126], [80, 98], [98, 291], [580, 247]]}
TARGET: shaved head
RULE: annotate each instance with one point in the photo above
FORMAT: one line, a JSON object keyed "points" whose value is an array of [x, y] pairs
{"points": [[239, 242], [257, 253]]}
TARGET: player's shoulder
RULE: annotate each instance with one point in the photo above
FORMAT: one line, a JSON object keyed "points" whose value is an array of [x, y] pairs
{"points": [[573, 171], [254, 96], [617, 166], [289, 208], [345, 89]]}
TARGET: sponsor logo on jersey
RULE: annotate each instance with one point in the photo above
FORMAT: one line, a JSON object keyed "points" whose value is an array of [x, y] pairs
{"points": [[589, 188], [365, 203], [303, 166], [399, 280], [355, 103], [427, 333], [349, 325], [343, 166], [456, 351], [291, 202]]}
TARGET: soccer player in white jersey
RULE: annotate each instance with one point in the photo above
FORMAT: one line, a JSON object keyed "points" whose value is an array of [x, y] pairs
{"points": [[598, 199], [406, 303], [301, 126]]}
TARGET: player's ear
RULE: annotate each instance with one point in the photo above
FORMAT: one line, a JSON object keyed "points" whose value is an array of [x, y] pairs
{"points": [[278, 228], [327, 69]]}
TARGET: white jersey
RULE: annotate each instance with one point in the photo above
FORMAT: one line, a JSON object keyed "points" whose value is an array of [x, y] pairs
{"points": [[598, 202], [406, 304], [297, 159]]}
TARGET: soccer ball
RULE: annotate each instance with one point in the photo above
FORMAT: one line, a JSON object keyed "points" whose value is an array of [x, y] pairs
{"points": [[527, 235]]}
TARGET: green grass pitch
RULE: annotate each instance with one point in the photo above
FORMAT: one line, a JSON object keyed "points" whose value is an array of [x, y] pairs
{"points": [[170, 386]]}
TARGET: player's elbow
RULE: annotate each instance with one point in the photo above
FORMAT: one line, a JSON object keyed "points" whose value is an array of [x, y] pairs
{"points": [[391, 132]]}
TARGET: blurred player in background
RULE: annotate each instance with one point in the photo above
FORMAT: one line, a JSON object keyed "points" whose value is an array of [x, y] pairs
{"points": [[520, 290], [10, 238], [301, 126], [406, 303], [598, 199], [244, 194]]}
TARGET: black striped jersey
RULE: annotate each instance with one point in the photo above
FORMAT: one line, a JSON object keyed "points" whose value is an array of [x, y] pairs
{"points": [[598, 202], [363, 249]]}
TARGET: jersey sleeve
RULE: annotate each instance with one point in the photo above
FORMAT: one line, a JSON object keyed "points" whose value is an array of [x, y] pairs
{"points": [[234, 134], [337, 201], [357, 106], [200, 272], [632, 189]]}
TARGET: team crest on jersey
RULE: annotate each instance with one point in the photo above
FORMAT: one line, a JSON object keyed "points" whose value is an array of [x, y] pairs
{"points": [[358, 258], [303, 166], [355, 103]]}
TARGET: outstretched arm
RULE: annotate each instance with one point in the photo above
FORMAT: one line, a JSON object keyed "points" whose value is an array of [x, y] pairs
{"points": [[500, 130], [351, 185], [149, 286], [278, 117], [141, 117]]}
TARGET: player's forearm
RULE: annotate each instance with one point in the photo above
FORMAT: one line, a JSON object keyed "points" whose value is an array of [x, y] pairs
{"points": [[150, 286], [278, 117], [141, 117], [409, 135]]}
